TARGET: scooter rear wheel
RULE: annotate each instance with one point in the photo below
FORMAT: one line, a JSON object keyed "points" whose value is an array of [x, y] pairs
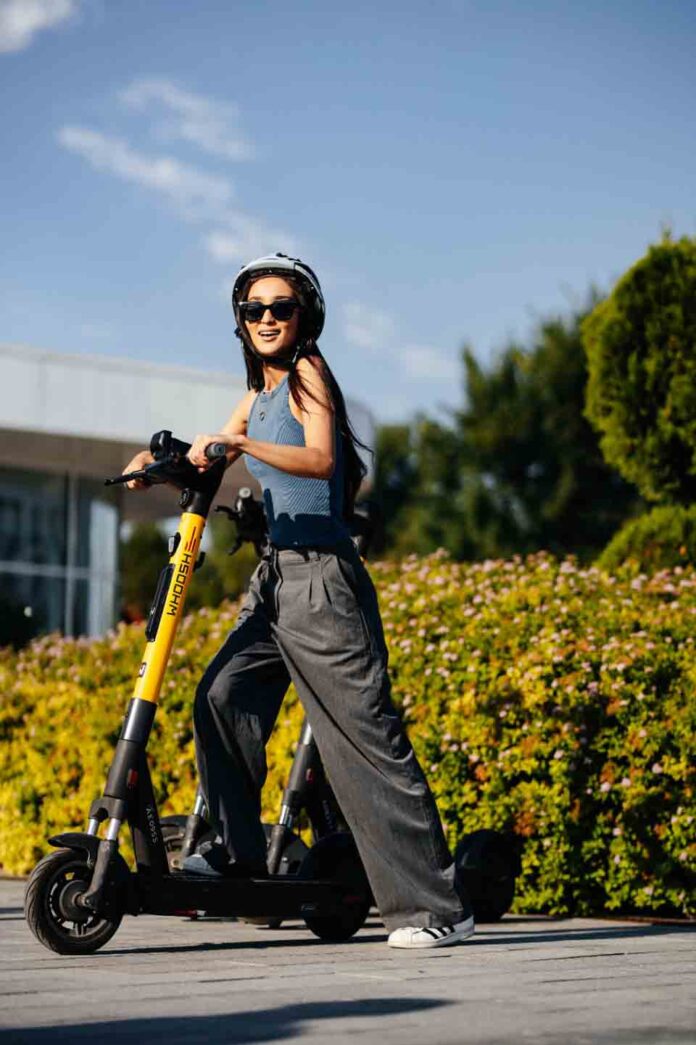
{"points": [[51, 910], [173, 830], [488, 863], [336, 858]]}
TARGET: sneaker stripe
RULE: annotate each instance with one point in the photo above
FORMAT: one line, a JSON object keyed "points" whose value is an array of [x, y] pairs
{"points": [[431, 932], [442, 931]]}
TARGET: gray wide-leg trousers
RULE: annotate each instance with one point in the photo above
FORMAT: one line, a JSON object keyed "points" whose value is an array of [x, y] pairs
{"points": [[312, 616]]}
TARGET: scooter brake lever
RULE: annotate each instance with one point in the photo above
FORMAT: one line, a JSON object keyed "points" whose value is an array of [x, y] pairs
{"points": [[126, 478]]}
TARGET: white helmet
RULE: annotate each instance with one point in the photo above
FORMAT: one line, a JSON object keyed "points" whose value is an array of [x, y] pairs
{"points": [[281, 265]]}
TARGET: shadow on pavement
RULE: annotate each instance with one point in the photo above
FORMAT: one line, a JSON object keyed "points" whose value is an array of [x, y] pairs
{"points": [[560, 935], [263, 944], [229, 1029]]}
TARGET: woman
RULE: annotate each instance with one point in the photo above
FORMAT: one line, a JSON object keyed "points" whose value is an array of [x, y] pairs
{"points": [[311, 616]]}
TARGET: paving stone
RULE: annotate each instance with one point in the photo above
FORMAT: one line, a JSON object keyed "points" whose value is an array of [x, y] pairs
{"points": [[542, 980]]}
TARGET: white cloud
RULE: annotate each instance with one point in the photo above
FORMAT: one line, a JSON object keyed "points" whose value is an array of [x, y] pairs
{"points": [[195, 193], [21, 20], [429, 364], [241, 237], [375, 330], [210, 124], [367, 327]]}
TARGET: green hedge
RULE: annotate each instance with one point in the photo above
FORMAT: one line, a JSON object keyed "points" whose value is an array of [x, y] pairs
{"points": [[661, 539], [551, 700]]}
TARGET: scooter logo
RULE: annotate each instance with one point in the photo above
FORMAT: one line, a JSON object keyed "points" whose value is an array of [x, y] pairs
{"points": [[151, 823], [178, 587]]}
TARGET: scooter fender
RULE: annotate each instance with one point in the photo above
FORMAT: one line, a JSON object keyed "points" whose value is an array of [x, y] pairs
{"points": [[78, 840], [125, 891]]}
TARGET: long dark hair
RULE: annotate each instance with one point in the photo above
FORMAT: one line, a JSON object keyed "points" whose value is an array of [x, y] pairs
{"points": [[354, 469]]}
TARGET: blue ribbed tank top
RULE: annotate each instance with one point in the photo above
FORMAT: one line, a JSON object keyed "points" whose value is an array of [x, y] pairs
{"points": [[300, 511]]}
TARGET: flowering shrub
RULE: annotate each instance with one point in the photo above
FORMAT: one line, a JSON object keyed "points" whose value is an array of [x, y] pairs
{"points": [[554, 701]]}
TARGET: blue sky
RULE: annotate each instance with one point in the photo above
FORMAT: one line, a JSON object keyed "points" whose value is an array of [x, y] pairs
{"points": [[452, 170]]}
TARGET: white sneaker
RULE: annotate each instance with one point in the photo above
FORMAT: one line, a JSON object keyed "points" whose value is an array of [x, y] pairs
{"points": [[442, 936]]}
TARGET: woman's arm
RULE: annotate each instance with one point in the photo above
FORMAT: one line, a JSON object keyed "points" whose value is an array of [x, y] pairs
{"points": [[314, 460], [235, 427]]}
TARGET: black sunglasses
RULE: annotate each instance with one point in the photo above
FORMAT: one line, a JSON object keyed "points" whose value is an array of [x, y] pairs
{"points": [[283, 309]]}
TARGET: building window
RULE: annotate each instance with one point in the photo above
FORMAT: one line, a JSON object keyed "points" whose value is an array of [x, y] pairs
{"points": [[58, 554]]}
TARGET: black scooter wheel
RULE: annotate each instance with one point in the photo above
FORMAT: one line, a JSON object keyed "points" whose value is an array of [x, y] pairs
{"points": [[487, 864], [173, 829], [51, 910], [336, 858]]}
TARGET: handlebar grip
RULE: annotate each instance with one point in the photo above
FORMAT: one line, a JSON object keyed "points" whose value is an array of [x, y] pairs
{"points": [[214, 451]]}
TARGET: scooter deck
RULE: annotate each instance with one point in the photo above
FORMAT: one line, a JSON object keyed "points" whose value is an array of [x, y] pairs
{"points": [[274, 896]]}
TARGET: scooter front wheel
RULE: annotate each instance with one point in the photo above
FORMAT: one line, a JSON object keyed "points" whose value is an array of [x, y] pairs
{"points": [[51, 909]]}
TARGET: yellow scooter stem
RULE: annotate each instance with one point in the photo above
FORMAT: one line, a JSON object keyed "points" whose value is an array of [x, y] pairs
{"points": [[168, 606]]}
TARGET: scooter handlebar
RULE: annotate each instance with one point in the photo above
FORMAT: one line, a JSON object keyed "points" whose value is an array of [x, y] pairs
{"points": [[170, 464], [214, 451]]}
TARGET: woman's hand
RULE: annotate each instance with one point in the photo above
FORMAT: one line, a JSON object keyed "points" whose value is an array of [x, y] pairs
{"points": [[196, 454], [139, 461]]}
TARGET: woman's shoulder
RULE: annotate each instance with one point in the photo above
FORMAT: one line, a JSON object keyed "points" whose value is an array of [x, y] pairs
{"points": [[311, 365], [247, 402], [313, 376], [240, 415]]}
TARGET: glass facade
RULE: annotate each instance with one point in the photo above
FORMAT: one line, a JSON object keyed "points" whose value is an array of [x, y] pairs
{"points": [[58, 554]]}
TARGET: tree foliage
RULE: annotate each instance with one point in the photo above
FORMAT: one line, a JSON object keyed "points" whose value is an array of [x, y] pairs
{"points": [[517, 469], [662, 539], [641, 349], [524, 430], [142, 556], [221, 576], [417, 480]]}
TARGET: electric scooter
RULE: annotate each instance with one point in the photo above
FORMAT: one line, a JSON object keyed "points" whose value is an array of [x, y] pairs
{"points": [[487, 861], [77, 896]]}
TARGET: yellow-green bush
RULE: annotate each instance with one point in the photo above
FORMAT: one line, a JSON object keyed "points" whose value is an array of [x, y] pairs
{"points": [[661, 539], [541, 697]]}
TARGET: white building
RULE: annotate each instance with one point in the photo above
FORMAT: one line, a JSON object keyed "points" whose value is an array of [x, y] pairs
{"points": [[66, 423]]}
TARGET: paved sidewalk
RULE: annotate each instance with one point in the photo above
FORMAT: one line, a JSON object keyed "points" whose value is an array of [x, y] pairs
{"points": [[534, 980]]}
